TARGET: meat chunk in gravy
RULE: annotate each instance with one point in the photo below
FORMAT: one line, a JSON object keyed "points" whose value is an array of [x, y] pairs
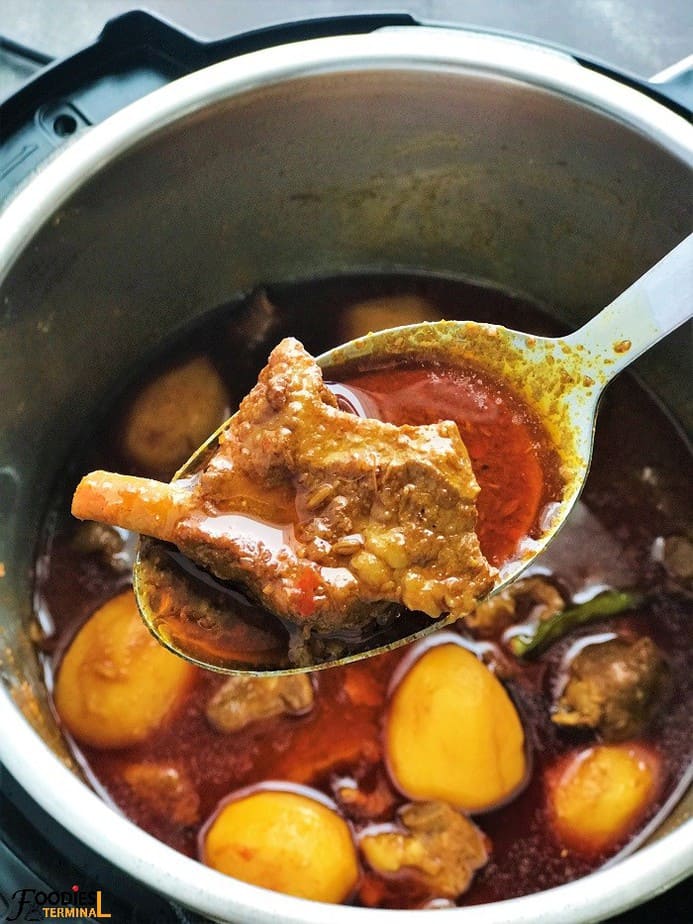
{"points": [[164, 790], [323, 516], [533, 598], [243, 699], [614, 687], [435, 842]]}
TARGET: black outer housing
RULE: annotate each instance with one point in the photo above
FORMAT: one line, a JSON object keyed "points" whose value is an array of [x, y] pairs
{"points": [[135, 54], [139, 52]]}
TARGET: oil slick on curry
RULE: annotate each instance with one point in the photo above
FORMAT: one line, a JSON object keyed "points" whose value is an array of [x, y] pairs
{"points": [[520, 748]]}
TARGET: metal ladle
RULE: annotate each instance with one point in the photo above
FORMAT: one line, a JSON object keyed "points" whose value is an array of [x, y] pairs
{"points": [[561, 378]]}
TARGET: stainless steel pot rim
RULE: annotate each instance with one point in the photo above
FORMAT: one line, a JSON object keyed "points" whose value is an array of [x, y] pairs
{"points": [[58, 791], [434, 49], [46, 779]]}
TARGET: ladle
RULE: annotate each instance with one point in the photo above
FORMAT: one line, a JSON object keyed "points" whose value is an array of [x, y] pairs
{"points": [[560, 378]]}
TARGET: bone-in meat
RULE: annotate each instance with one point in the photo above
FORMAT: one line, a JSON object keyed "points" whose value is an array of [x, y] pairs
{"points": [[324, 517]]}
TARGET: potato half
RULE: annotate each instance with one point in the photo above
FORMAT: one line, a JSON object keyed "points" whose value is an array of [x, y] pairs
{"points": [[173, 415], [290, 841], [598, 795], [453, 733], [385, 311], [116, 684]]}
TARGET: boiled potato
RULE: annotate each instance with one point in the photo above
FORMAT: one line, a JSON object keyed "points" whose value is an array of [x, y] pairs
{"points": [[287, 841], [599, 795], [386, 311], [452, 732], [172, 416], [116, 684]]}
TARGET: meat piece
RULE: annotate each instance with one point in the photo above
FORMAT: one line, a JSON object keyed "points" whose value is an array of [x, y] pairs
{"points": [[255, 324], [361, 804], [435, 842], [361, 686], [165, 791], [103, 542], [243, 699], [676, 554], [614, 687], [366, 794], [532, 598], [323, 516]]}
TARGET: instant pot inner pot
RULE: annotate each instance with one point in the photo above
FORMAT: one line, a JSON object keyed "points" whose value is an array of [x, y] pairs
{"points": [[451, 172]]}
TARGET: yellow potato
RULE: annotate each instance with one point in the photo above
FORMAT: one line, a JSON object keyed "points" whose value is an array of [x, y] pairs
{"points": [[172, 416], [116, 684], [452, 732], [599, 795], [286, 841], [385, 311]]}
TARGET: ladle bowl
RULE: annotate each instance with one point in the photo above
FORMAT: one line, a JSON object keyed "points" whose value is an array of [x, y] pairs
{"points": [[560, 379]]}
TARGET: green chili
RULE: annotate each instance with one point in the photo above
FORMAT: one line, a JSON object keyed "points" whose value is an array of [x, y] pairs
{"points": [[607, 603]]}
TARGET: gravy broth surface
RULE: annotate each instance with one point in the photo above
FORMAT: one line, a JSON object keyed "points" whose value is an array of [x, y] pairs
{"points": [[637, 497]]}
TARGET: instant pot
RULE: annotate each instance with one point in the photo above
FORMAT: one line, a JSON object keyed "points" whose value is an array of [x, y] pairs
{"points": [[151, 177]]}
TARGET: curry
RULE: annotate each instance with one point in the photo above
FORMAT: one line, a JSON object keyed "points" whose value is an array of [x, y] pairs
{"points": [[526, 745]]}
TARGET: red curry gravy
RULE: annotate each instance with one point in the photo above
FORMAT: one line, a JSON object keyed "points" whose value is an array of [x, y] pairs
{"points": [[607, 542], [512, 459]]}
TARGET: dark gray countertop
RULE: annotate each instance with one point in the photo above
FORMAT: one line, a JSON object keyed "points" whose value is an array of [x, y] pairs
{"points": [[641, 37]]}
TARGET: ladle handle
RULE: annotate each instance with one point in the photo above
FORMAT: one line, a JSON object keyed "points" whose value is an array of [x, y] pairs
{"points": [[658, 303]]}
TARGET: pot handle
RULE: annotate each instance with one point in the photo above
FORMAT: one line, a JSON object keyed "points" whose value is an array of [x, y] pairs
{"points": [[135, 54], [138, 52], [676, 83], [191, 52]]}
